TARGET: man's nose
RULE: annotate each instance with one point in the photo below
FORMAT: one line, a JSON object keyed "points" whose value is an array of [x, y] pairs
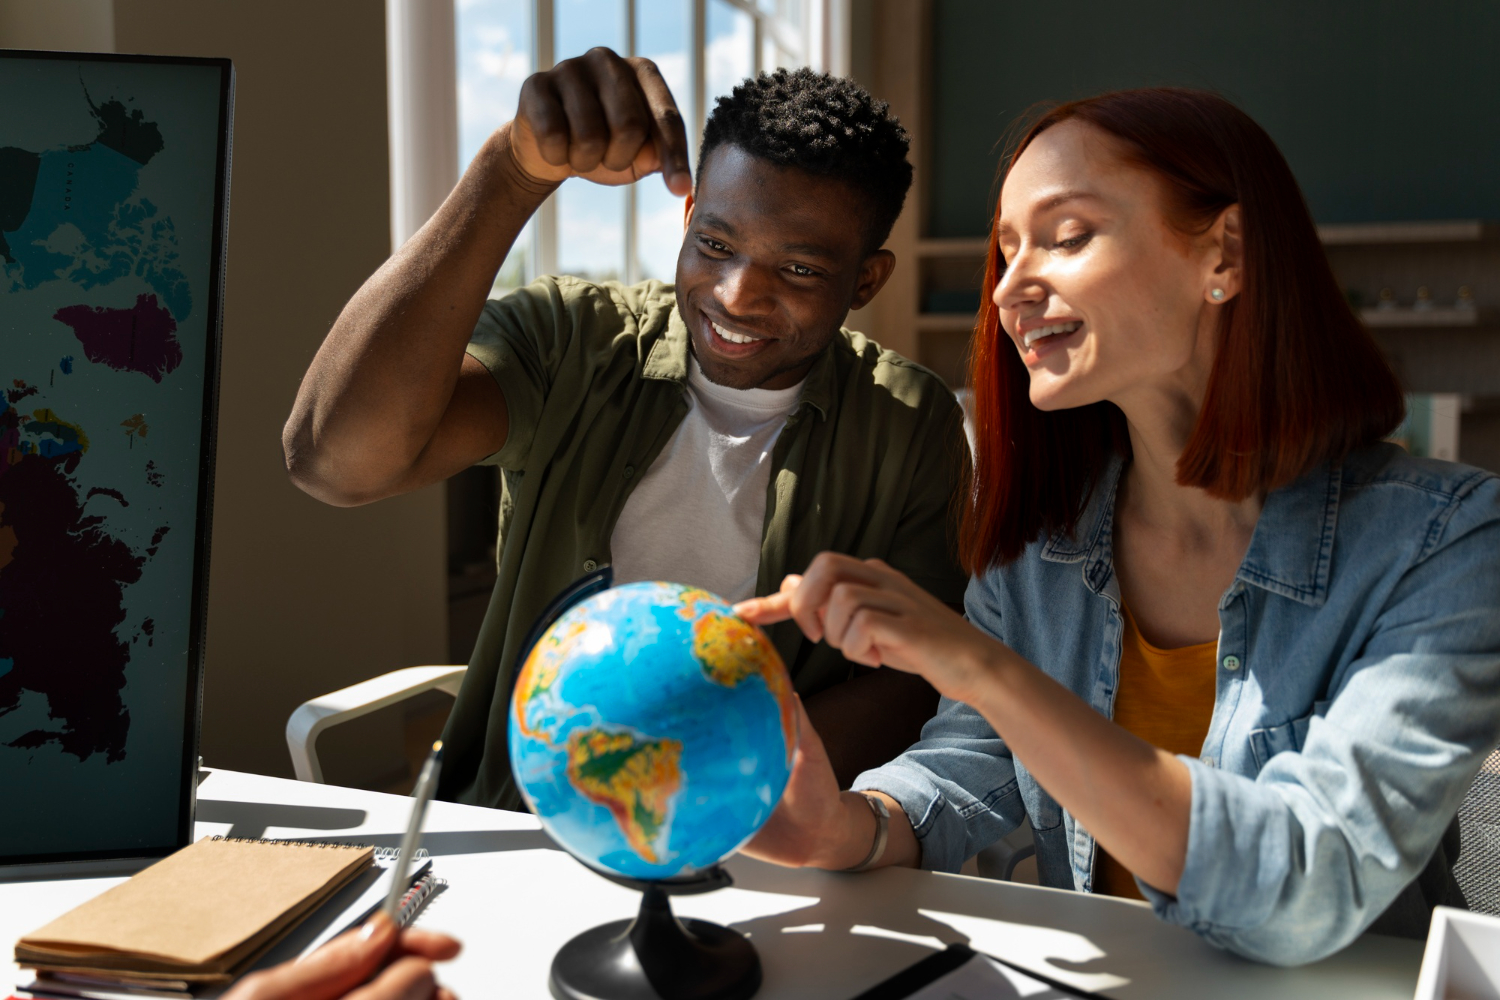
{"points": [[745, 290]]}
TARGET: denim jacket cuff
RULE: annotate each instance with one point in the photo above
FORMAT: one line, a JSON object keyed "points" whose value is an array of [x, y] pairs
{"points": [[1222, 875], [939, 830]]}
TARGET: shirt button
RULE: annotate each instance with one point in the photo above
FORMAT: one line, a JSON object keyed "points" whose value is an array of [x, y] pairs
{"points": [[589, 565], [629, 471], [1231, 662], [1210, 762]]}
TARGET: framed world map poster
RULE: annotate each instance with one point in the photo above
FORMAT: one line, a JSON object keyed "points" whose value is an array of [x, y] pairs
{"points": [[113, 203]]}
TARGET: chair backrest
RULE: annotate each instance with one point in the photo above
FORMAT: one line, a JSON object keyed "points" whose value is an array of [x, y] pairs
{"points": [[1478, 867]]}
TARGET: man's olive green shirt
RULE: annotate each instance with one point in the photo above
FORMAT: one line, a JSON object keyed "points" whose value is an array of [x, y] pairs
{"points": [[595, 382]]}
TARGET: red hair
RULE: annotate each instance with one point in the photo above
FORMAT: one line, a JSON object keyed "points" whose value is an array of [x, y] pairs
{"points": [[1296, 381]]}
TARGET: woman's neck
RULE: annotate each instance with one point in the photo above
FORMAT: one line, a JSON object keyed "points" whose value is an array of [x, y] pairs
{"points": [[1160, 422]]}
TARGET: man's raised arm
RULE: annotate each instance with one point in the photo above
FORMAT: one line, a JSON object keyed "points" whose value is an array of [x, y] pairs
{"points": [[391, 402]]}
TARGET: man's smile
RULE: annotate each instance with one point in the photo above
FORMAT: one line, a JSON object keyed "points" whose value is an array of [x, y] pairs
{"points": [[731, 342]]}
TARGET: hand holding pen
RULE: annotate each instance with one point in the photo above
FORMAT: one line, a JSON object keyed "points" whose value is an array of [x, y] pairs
{"points": [[375, 962]]}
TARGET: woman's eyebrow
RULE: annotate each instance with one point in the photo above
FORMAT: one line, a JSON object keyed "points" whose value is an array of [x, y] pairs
{"points": [[1047, 204]]}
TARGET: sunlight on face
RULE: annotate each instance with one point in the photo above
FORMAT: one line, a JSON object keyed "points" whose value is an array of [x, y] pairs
{"points": [[1100, 297]]}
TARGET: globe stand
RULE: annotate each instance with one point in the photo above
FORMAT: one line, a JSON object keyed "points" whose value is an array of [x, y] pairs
{"points": [[656, 956]]}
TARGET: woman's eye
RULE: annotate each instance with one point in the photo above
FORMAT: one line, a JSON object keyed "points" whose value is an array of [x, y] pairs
{"points": [[1073, 242]]}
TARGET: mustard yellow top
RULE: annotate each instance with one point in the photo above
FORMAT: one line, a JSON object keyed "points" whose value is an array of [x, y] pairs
{"points": [[1166, 697]]}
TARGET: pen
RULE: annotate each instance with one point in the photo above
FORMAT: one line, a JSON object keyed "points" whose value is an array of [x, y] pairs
{"points": [[426, 785]]}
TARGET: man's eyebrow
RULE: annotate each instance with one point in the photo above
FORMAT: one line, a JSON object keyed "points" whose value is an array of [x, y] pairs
{"points": [[809, 250], [1047, 204], [717, 222]]}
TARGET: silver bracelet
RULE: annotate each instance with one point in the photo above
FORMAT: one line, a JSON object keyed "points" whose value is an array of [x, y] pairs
{"points": [[882, 831]]}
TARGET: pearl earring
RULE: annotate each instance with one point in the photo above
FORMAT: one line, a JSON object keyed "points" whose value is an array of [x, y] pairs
{"points": [[1217, 294]]}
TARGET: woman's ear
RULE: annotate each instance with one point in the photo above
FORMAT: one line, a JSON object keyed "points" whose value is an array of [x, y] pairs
{"points": [[1227, 255]]}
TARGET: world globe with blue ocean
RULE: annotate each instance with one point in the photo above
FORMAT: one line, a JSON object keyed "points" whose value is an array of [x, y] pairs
{"points": [[652, 730]]}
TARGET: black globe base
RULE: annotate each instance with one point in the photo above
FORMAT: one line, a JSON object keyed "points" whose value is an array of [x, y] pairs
{"points": [[656, 957]]}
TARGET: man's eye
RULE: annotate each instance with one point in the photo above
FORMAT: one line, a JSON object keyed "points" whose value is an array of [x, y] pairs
{"points": [[713, 245], [802, 271]]}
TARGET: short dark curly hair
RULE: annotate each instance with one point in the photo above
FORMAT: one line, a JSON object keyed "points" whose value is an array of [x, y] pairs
{"points": [[826, 125]]}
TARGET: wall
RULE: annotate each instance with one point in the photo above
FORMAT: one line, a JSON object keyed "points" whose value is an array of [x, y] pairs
{"points": [[304, 598], [67, 25], [1386, 109], [888, 46]]}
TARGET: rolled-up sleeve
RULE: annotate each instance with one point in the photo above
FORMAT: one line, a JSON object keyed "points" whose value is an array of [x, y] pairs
{"points": [[957, 786], [520, 339], [1293, 864]]}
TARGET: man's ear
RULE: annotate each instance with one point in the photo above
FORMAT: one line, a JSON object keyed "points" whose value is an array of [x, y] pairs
{"points": [[687, 211], [873, 274]]}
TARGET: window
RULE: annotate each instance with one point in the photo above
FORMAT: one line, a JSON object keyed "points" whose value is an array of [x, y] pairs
{"points": [[703, 48]]}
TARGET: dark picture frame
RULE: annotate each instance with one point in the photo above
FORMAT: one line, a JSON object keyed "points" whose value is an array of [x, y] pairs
{"points": [[127, 856]]}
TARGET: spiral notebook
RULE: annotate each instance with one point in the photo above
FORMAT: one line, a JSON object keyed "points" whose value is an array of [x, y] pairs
{"points": [[198, 916]]}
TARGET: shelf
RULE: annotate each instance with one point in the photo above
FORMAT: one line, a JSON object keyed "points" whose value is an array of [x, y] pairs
{"points": [[1410, 318], [1369, 233], [963, 246], [946, 322]]}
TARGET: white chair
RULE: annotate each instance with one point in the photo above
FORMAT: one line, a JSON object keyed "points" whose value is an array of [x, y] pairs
{"points": [[313, 717]]}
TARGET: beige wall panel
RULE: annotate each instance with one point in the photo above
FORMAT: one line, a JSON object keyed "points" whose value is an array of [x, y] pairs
{"points": [[60, 25], [889, 48], [304, 598]]}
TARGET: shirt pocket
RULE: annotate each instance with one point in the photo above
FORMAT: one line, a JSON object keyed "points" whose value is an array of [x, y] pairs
{"points": [[1289, 736]]}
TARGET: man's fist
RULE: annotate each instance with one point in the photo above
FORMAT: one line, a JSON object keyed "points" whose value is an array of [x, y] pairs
{"points": [[603, 118]]}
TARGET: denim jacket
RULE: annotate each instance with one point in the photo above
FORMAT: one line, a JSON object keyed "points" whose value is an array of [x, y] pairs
{"points": [[1358, 692]]}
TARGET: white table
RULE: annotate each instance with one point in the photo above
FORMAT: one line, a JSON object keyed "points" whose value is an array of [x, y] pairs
{"points": [[514, 898]]}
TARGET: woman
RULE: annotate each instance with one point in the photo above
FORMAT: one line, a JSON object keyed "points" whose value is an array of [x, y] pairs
{"points": [[1219, 638]]}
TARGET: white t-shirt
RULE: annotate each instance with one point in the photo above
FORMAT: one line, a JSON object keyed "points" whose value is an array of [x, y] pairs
{"points": [[697, 514]]}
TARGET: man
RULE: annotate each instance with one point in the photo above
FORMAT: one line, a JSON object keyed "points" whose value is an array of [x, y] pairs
{"points": [[718, 434]]}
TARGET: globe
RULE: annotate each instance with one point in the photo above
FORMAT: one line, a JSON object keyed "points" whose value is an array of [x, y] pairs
{"points": [[652, 730]]}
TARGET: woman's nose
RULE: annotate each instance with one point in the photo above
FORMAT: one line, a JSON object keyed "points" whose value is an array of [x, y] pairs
{"points": [[1018, 285]]}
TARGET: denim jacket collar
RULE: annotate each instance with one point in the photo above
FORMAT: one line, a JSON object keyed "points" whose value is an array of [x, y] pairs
{"points": [[1289, 554]]}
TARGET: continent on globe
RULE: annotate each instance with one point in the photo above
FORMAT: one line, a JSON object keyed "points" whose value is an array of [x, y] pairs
{"points": [[730, 649], [64, 576], [539, 674], [634, 778], [137, 339]]}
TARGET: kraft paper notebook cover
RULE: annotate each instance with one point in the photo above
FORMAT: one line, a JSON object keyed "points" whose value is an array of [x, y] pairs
{"points": [[198, 915]]}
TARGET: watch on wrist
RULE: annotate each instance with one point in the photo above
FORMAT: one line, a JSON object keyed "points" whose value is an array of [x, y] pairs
{"points": [[882, 831]]}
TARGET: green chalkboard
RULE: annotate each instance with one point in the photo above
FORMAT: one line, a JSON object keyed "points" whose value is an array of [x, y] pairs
{"points": [[1386, 109]]}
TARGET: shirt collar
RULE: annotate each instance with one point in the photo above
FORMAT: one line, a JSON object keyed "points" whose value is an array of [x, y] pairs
{"points": [[668, 360], [1290, 552]]}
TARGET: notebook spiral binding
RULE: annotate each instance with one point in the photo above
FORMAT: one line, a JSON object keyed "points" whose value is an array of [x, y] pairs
{"points": [[418, 895], [381, 853]]}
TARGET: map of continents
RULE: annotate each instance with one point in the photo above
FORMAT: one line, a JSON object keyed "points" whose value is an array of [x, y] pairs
{"points": [[71, 219]]}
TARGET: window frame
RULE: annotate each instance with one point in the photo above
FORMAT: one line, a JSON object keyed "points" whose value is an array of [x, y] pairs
{"points": [[824, 46], [423, 114]]}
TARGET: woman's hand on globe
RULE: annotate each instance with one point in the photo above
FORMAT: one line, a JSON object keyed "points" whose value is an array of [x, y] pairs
{"points": [[876, 616], [814, 825]]}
